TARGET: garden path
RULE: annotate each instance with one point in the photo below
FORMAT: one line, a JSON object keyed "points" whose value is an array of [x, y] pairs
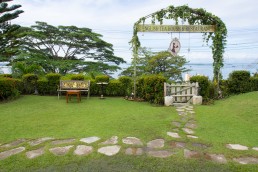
{"points": [[183, 133]]}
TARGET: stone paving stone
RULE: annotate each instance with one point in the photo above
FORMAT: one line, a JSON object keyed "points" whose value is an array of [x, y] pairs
{"points": [[236, 147], [189, 109], [65, 141], [188, 130], [132, 141], [134, 151], [246, 160], [191, 112], [178, 144], [255, 148], [158, 143], [191, 154], [192, 137], [174, 135], [109, 150], [90, 139], [11, 152], [219, 158], [177, 124], [160, 153], [39, 141], [112, 141], [190, 125], [14, 143], [180, 110], [60, 150], [83, 150], [35, 153]]}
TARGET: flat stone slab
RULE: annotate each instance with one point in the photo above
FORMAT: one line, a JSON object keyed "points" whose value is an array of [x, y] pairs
{"points": [[112, 141], [180, 110], [65, 141], [190, 125], [11, 152], [247, 160], [188, 130], [109, 150], [35, 153], [134, 151], [192, 137], [160, 153], [83, 150], [191, 154], [219, 158], [236, 147], [60, 150], [132, 141], [14, 143], [90, 139], [158, 143], [39, 141], [174, 135], [255, 148], [199, 145], [177, 124], [178, 144]]}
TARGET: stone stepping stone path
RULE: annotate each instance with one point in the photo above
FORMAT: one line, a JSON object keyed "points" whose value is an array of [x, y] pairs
{"points": [[132, 141], [109, 150], [61, 150], [109, 147], [236, 147], [35, 153], [83, 150], [11, 152], [90, 140]]}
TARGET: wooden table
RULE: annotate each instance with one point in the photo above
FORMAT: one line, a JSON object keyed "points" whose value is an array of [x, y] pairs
{"points": [[73, 92]]}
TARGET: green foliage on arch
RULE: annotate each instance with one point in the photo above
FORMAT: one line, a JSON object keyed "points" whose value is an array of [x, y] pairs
{"points": [[194, 17]]}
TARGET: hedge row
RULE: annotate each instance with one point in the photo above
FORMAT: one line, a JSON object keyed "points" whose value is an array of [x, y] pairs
{"points": [[9, 88]]}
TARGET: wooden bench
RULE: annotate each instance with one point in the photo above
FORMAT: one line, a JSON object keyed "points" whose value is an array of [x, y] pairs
{"points": [[67, 85]]}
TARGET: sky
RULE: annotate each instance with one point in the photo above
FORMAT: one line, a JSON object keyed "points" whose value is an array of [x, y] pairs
{"points": [[114, 19]]}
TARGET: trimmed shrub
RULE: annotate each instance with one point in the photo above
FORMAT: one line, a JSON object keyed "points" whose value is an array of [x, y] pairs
{"points": [[254, 83], [204, 84], [30, 83], [43, 86], [151, 88], [238, 82], [53, 82], [114, 88], [127, 84], [102, 78], [9, 88], [77, 77]]}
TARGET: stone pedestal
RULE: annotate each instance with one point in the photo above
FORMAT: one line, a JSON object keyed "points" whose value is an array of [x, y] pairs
{"points": [[168, 100], [197, 100]]}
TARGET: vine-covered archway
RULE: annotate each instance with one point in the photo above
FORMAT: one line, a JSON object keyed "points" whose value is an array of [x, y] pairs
{"points": [[193, 17]]}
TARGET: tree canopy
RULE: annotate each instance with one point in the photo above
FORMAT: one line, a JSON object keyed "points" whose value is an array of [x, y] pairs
{"points": [[67, 49], [9, 42]]}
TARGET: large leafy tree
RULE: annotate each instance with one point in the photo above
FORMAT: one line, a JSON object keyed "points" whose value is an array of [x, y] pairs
{"points": [[68, 49], [8, 33], [162, 63]]}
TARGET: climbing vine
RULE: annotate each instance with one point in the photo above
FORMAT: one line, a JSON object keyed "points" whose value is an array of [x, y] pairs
{"points": [[193, 17]]}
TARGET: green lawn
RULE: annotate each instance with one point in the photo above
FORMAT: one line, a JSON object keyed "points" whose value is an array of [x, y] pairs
{"points": [[232, 120]]}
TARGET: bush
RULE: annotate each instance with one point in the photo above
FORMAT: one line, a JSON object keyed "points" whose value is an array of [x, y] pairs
{"points": [[254, 83], [30, 83], [43, 86], [77, 77], [126, 83], [114, 88], [9, 88], [6, 75], [102, 78], [151, 88], [53, 82], [238, 82], [204, 85]]}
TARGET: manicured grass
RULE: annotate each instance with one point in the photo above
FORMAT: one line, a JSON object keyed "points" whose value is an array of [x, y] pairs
{"points": [[232, 120], [45, 116]]}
